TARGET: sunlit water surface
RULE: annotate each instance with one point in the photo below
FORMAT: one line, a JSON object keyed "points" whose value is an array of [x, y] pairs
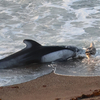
{"points": [[49, 22]]}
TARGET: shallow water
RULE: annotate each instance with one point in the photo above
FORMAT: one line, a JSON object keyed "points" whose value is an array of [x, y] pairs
{"points": [[79, 67], [23, 74], [49, 22]]}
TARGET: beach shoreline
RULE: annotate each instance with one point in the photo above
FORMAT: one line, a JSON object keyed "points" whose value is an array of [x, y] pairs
{"points": [[52, 87]]}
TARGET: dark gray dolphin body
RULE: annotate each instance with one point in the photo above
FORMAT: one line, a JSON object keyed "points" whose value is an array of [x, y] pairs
{"points": [[36, 53]]}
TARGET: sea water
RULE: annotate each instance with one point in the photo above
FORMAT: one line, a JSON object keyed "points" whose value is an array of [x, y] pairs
{"points": [[49, 22]]}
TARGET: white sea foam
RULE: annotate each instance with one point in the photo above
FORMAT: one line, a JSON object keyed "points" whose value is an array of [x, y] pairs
{"points": [[69, 31], [67, 3]]}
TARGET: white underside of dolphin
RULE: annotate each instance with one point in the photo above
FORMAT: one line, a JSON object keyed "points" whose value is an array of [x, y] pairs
{"points": [[58, 55]]}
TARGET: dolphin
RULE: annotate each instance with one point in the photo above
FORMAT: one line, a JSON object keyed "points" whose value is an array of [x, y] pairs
{"points": [[36, 53]]}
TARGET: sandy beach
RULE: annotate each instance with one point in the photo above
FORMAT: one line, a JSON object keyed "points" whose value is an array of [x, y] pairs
{"points": [[54, 87]]}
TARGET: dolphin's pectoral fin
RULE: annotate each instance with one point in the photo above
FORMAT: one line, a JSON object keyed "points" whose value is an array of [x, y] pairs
{"points": [[30, 43]]}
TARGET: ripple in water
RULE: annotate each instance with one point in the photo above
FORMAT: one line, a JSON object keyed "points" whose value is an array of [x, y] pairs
{"points": [[79, 67]]}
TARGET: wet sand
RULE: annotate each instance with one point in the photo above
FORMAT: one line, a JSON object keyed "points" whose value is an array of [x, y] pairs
{"points": [[53, 87]]}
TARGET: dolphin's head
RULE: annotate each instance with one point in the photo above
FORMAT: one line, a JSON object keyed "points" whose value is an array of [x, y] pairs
{"points": [[80, 52]]}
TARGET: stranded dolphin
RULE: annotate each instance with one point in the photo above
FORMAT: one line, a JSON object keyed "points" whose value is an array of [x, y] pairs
{"points": [[36, 53]]}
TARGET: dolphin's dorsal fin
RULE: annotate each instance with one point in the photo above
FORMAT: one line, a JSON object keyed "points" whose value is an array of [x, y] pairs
{"points": [[30, 43]]}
